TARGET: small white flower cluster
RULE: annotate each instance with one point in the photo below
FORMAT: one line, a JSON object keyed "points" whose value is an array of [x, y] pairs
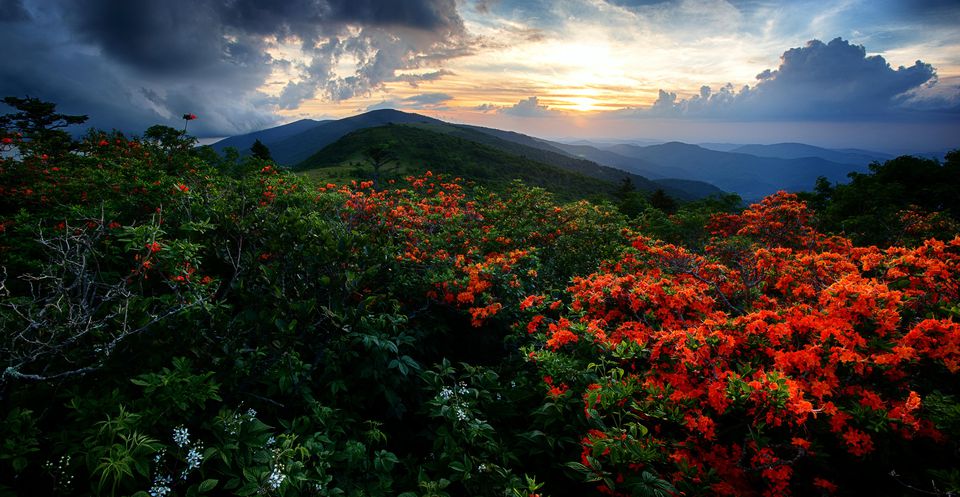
{"points": [[181, 436], [276, 477], [459, 390], [232, 425], [194, 457], [271, 441], [482, 468], [161, 486], [60, 472]]}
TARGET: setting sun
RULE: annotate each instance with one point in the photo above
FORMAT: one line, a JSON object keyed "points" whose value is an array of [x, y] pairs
{"points": [[582, 104]]}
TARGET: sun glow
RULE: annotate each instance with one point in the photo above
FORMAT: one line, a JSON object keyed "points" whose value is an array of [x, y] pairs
{"points": [[582, 104]]}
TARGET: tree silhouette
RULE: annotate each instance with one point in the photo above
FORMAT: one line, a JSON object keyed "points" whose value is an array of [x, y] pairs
{"points": [[662, 201], [40, 125], [260, 151], [378, 156]]}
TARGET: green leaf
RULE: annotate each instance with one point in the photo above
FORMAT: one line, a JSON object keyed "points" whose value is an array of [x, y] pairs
{"points": [[248, 489], [578, 467], [208, 485]]}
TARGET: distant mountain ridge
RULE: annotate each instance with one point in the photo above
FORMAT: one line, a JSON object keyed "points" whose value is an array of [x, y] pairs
{"points": [[801, 150], [477, 156], [267, 136], [289, 148], [688, 171], [297, 145], [748, 175]]}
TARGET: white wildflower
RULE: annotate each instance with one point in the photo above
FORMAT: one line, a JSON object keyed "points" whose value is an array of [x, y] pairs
{"points": [[161, 486], [276, 477], [181, 436], [194, 457]]}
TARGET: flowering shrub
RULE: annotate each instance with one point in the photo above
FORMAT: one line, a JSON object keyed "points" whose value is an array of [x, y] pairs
{"points": [[742, 368], [180, 323]]}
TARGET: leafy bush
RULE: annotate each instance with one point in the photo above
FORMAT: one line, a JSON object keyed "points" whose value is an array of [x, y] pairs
{"points": [[179, 323]]}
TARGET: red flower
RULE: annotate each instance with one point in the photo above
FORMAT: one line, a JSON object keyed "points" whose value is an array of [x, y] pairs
{"points": [[826, 485], [913, 401], [7, 140]]}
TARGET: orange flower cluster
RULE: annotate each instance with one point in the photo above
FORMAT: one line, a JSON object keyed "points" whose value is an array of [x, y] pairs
{"points": [[775, 336], [439, 230]]}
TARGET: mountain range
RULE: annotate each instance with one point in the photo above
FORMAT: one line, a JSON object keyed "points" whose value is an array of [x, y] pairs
{"points": [[682, 170]]}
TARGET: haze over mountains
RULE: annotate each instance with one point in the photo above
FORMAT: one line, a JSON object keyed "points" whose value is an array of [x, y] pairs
{"points": [[682, 170]]}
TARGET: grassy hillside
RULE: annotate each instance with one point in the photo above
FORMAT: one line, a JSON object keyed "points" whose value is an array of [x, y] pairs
{"points": [[298, 148], [594, 162], [531, 148], [419, 148]]}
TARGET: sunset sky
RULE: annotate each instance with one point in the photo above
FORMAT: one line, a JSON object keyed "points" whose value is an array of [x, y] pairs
{"points": [[868, 73]]}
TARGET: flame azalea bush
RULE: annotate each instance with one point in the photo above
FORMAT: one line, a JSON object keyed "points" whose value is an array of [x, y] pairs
{"points": [[759, 366], [480, 254], [180, 323]]}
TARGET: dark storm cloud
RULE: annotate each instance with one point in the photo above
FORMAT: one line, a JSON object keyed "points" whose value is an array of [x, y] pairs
{"points": [[414, 80], [13, 10], [146, 61], [834, 80], [429, 16], [432, 101], [938, 12], [429, 98]]}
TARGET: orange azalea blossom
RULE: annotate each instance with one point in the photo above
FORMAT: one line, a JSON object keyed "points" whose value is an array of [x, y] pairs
{"points": [[913, 401], [775, 329]]}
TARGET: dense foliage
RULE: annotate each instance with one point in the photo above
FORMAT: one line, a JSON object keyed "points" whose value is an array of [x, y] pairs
{"points": [[178, 323], [902, 201]]}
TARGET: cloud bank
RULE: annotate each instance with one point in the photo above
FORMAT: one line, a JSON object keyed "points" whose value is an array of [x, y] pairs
{"points": [[423, 101], [819, 81], [138, 62]]}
